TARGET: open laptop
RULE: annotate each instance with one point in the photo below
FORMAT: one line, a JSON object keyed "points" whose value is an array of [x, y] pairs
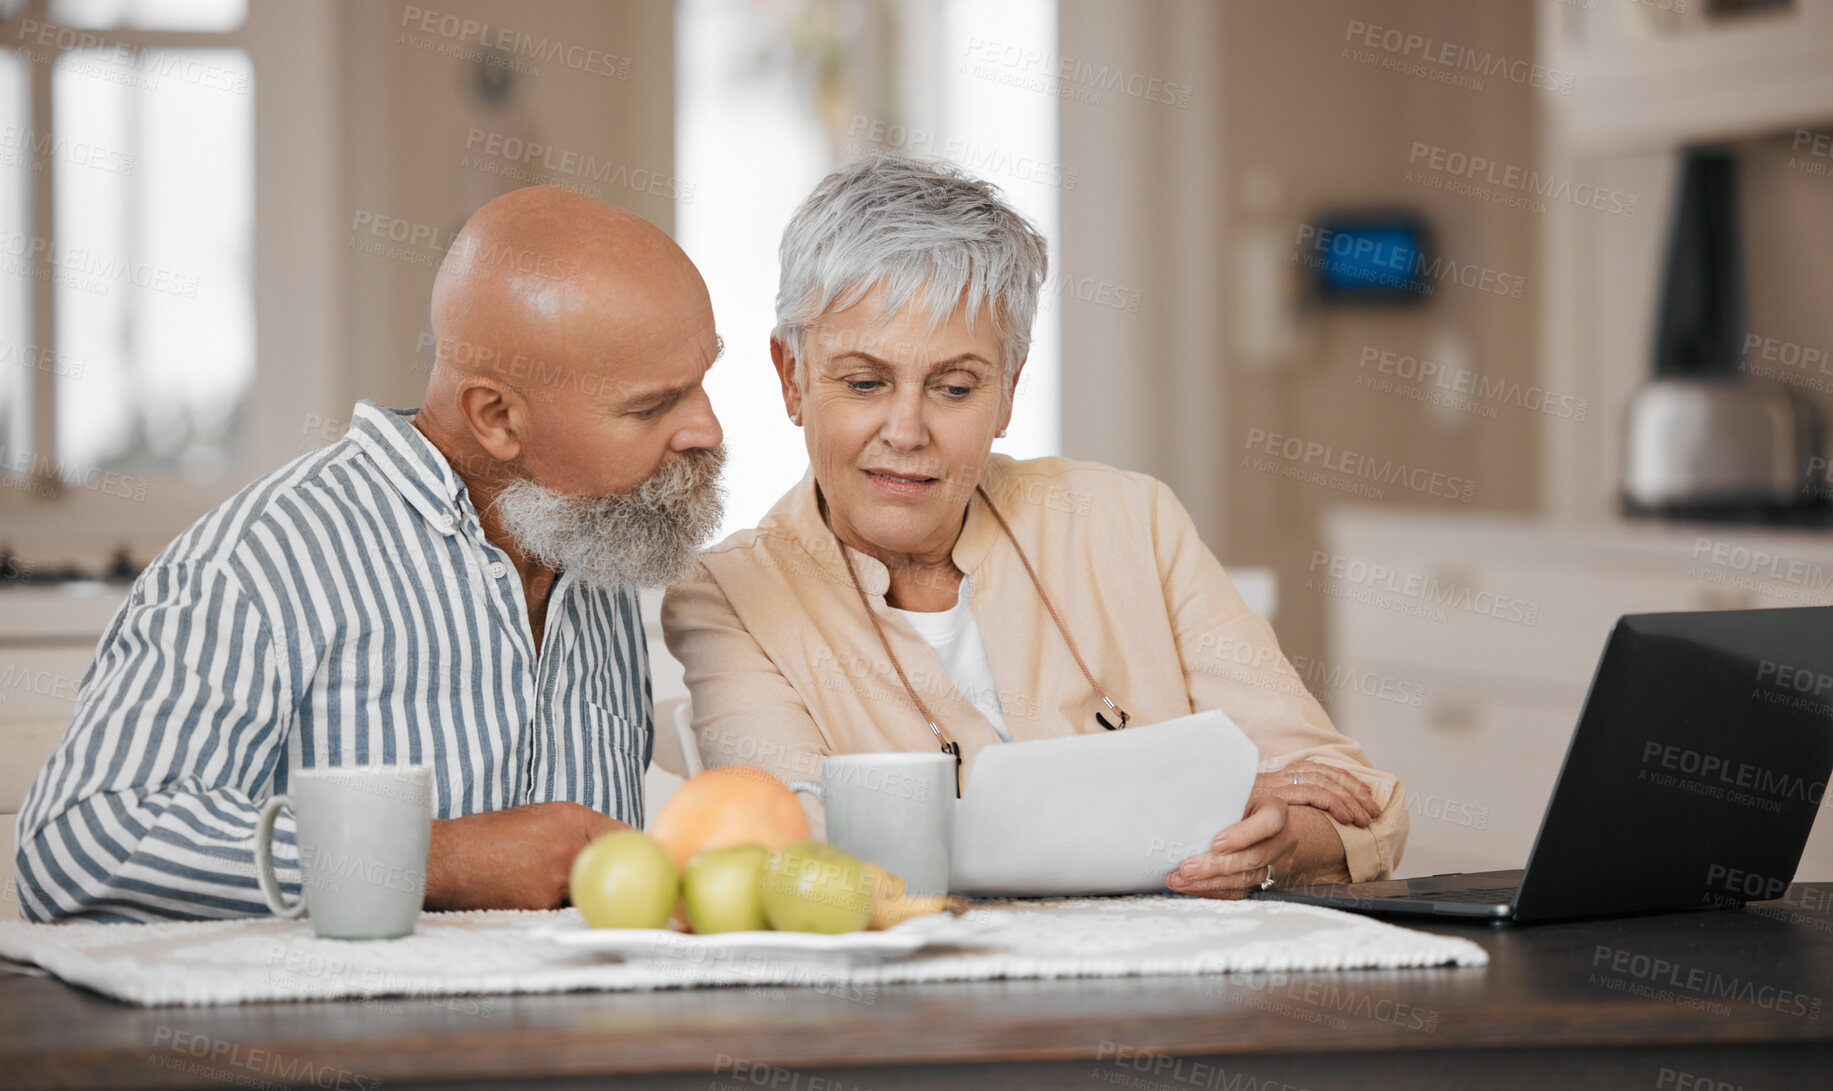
{"points": [[1692, 780]]}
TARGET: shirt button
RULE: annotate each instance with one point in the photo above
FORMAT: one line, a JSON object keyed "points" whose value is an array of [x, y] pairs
{"points": [[498, 569], [447, 520]]}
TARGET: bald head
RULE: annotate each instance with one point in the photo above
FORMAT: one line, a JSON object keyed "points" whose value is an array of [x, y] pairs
{"points": [[573, 337], [551, 277]]}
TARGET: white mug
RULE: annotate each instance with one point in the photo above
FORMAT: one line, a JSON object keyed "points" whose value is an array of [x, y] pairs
{"points": [[893, 810], [362, 835]]}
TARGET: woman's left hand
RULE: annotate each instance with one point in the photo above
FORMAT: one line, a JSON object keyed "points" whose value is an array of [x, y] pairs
{"points": [[1238, 857]]}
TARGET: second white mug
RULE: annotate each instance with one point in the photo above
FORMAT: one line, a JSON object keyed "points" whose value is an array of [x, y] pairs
{"points": [[893, 810]]}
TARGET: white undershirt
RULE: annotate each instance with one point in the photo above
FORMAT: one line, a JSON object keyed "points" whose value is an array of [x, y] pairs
{"points": [[955, 636]]}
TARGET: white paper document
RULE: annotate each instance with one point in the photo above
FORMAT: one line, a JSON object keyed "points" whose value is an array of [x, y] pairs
{"points": [[1099, 814]]}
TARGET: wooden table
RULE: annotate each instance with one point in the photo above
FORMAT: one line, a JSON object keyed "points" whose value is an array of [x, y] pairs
{"points": [[1709, 1001]]}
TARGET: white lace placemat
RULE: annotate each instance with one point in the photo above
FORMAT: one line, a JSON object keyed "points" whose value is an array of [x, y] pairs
{"points": [[480, 953]]}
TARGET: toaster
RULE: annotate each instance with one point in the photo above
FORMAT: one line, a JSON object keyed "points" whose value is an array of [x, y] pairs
{"points": [[1721, 447]]}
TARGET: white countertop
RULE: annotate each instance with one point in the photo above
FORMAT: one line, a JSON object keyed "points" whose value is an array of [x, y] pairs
{"points": [[67, 613]]}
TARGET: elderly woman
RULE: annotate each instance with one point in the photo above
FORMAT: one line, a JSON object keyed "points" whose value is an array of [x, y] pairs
{"points": [[916, 590]]}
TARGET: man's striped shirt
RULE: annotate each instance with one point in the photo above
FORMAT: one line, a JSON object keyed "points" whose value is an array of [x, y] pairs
{"points": [[343, 610]]}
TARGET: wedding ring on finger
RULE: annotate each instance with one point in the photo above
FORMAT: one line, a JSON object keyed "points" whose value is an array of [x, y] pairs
{"points": [[1267, 883], [1295, 776]]}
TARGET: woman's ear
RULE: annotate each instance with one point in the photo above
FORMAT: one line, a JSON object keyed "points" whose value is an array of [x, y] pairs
{"points": [[785, 362]]}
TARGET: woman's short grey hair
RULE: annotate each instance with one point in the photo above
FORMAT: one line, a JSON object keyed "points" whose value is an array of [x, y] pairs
{"points": [[926, 231]]}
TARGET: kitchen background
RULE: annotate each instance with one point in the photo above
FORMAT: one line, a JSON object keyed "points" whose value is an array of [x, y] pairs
{"points": [[1375, 285]]}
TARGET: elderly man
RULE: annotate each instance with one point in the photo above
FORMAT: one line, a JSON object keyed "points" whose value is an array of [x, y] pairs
{"points": [[450, 587]]}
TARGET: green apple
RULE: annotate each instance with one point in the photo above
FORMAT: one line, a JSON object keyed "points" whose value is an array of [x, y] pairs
{"points": [[812, 887], [720, 889], [624, 879]]}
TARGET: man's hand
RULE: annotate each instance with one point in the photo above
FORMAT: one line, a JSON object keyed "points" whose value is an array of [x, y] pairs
{"points": [[513, 859]]}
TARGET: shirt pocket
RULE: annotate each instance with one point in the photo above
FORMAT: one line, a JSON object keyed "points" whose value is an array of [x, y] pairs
{"points": [[603, 757]]}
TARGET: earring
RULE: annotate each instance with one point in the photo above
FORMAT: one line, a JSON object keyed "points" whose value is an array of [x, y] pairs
{"points": [[1001, 434]]}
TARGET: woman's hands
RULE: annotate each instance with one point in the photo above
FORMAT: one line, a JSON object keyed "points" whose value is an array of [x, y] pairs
{"points": [[1334, 791], [1238, 857], [1285, 826]]}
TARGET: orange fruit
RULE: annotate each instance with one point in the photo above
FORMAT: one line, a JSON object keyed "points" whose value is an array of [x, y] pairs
{"points": [[729, 806]]}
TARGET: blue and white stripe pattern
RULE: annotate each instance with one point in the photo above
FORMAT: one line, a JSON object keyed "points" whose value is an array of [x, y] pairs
{"points": [[343, 610]]}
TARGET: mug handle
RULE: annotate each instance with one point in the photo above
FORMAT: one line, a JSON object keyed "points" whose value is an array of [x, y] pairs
{"points": [[264, 863], [808, 786]]}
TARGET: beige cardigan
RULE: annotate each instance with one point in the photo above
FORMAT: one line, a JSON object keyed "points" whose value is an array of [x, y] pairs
{"points": [[784, 667]]}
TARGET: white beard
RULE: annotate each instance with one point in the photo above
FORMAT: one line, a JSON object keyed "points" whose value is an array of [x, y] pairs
{"points": [[648, 536]]}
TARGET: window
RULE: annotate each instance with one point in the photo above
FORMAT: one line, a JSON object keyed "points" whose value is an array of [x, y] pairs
{"points": [[769, 98], [127, 205]]}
